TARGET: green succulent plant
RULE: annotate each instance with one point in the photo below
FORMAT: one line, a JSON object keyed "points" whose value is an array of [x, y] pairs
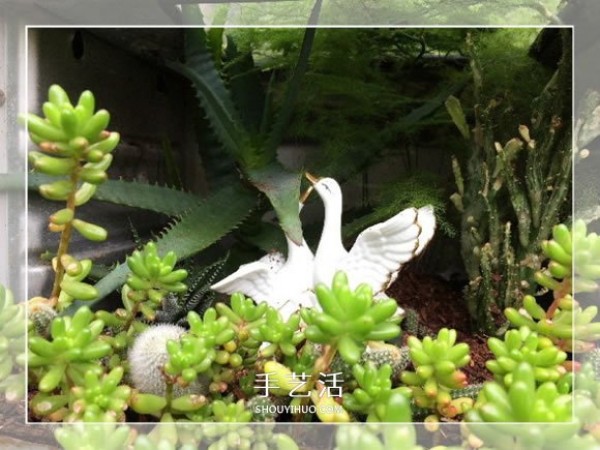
{"points": [[76, 147], [152, 278], [437, 364], [107, 436], [74, 349], [100, 399], [197, 350], [12, 344], [373, 393], [524, 401], [349, 319], [524, 345], [281, 336], [353, 437]]}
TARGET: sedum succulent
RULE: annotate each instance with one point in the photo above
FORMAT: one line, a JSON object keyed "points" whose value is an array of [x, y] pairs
{"points": [[373, 392], [524, 345], [353, 437], [92, 436], [152, 278], [498, 408], [12, 346], [100, 399], [522, 401], [73, 349], [196, 351], [76, 148], [281, 336], [349, 319], [437, 364]]}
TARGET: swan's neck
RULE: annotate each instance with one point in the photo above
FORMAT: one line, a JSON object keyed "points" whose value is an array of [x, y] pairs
{"points": [[330, 244], [297, 253]]}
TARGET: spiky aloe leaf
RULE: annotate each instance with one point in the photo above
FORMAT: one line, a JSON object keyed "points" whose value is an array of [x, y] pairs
{"points": [[213, 96], [152, 197], [199, 228]]}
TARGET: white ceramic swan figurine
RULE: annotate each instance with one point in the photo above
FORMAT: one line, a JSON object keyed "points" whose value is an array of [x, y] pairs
{"points": [[379, 251], [285, 284]]}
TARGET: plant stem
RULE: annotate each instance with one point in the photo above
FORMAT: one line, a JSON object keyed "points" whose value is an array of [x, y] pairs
{"points": [[322, 365], [65, 238], [563, 290]]}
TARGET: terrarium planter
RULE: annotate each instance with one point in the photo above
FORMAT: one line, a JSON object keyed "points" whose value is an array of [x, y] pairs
{"points": [[357, 326]]}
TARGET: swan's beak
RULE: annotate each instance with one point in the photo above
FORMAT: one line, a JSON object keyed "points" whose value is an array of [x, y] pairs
{"points": [[304, 196], [310, 177]]}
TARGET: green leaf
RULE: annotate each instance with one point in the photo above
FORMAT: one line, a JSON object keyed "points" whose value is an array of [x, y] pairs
{"points": [[214, 98], [152, 197], [245, 86], [200, 227], [283, 189]]}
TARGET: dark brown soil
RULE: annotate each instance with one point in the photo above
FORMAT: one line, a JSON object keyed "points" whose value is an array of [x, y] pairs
{"points": [[439, 304]]}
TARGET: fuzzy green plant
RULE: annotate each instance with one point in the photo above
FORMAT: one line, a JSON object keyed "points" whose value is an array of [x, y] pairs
{"points": [[12, 346], [73, 349], [437, 363], [75, 148], [524, 345], [372, 396], [349, 319]]}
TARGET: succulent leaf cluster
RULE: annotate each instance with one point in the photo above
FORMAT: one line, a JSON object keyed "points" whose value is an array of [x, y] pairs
{"points": [[100, 398], [523, 401], [281, 336], [349, 319], [437, 364], [73, 349], [196, 350], [500, 412], [524, 345], [107, 436], [75, 147], [12, 345], [570, 324], [373, 393], [152, 278], [353, 437]]}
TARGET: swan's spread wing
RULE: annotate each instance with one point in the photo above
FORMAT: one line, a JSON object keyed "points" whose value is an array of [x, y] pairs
{"points": [[380, 250], [275, 260], [254, 280]]}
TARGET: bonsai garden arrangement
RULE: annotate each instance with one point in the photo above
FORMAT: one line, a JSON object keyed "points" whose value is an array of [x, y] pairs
{"points": [[318, 334]]}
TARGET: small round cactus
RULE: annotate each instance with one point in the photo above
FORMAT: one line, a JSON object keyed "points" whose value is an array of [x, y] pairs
{"points": [[263, 409], [147, 357]]}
